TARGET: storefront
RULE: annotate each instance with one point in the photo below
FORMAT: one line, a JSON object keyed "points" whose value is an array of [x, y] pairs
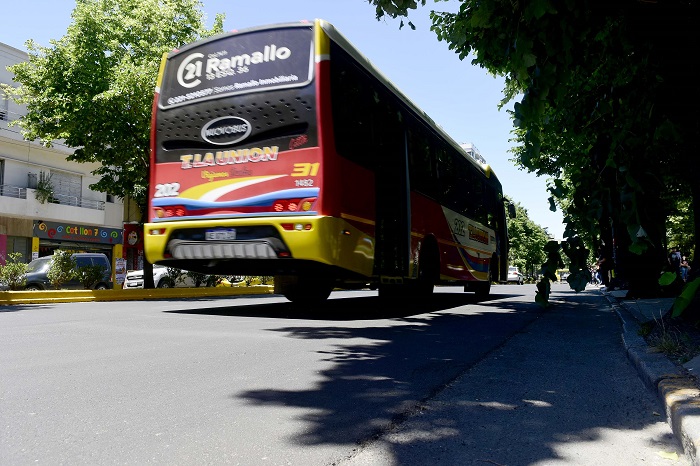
{"points": [[49, 236]]}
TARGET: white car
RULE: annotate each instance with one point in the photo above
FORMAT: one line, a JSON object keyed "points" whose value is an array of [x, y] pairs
{"points": [[514, 276], [161, 279]]}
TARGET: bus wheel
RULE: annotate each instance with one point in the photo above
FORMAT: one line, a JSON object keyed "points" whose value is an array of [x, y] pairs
{"points": [[483, 289], [392, 291], [428, 270], [303, 290]]}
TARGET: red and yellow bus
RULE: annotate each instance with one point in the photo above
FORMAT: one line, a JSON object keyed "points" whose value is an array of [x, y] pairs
{"points": [[282, 151]]}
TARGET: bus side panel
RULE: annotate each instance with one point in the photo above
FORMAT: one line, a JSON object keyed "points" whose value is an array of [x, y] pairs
{"points": [[332, 172], [465, 246], [348, 188]]}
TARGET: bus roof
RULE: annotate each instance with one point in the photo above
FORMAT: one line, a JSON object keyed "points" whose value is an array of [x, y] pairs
{"points": [[341, 40]]}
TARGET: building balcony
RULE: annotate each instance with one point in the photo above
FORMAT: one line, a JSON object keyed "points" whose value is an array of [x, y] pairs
{"points": [[22, 203]]}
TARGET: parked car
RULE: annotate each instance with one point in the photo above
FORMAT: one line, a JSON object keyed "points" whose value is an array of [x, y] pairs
{"points": [[514, 276], [37, 270], [161, 278]]}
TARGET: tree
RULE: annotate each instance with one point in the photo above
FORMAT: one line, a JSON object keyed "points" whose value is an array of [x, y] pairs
{"points": [[90, 275], [94, 87], [13, 272], [605, 108], [62, 268], [527, 242]]}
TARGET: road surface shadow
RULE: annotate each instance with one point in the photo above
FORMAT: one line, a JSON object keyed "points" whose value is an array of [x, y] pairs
{"points": [[345, 308]]}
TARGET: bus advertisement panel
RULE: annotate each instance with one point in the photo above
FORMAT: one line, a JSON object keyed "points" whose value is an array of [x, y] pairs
{"points": [[255, 61]]}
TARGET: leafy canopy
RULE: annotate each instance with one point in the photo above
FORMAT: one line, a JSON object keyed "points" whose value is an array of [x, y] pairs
{"points": [[604, 105], [527, 242], [93, 88]]}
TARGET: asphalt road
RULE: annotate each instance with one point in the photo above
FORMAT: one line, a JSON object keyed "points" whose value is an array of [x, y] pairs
{"points": [[259, 381]]}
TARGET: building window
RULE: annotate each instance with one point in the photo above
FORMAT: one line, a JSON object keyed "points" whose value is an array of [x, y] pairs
{"points": [[66, 184], [4, 108]]}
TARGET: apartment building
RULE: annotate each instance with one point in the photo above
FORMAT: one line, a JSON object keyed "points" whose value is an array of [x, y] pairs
{"points": [[35, 220]]}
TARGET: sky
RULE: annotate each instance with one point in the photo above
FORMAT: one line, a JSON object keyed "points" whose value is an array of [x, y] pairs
{"points": [[460, 97]]}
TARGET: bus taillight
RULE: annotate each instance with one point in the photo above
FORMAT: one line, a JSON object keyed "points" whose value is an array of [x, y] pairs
{"points": [[307, 204], [170, 211], [293, 205]]}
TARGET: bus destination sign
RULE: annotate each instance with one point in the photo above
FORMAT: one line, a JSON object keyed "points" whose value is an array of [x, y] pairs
{"points": [[239, 63]]}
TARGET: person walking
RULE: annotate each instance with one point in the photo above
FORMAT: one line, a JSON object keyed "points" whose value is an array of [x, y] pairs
{"points": [[674, 260], [685, 269]]}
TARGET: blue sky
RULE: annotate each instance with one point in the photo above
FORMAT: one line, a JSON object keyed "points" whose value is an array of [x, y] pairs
{"points": [[460, 97]]}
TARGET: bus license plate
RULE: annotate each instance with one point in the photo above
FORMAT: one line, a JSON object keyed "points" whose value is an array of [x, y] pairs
{"points": [[220, 235]]}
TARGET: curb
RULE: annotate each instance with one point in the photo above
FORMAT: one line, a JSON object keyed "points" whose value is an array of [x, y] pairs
{"points": [[677, 391], [68, 296]]}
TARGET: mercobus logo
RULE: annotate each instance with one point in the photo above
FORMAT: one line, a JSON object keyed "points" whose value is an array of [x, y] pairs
{"points": [[226, 130]]}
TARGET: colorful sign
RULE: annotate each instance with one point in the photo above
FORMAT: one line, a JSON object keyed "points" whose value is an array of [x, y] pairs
{"points": [[77, 233], [120, 270], [133, 232]]}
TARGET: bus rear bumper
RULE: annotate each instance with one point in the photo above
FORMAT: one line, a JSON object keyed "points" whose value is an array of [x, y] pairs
{"points": [[274, 241], [196, 250]]}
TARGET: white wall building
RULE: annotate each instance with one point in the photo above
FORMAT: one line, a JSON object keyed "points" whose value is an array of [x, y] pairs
{"points": [[76, 217]]}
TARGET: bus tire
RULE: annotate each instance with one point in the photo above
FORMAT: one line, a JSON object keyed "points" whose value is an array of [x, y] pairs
{"points": [[303, 290], [428, 270], [483, 289], [392, 291]]}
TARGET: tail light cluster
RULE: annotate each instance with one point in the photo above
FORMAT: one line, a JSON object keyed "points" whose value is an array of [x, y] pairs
{"points": [[278, 206], [171, 211], [293, 205]]}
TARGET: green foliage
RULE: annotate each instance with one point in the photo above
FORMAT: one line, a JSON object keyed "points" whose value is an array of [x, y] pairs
{"points": [[62, 268], [90, 275], [667, 278], [212, 280], [251, 280], [94, 87], [527, 242], [686, 297], [44, 188], [603, 104], [549, 272], [13, 273], [679, 224], [579, 274], [174, 275], [200, 279], [266, 280], [578, 255]]}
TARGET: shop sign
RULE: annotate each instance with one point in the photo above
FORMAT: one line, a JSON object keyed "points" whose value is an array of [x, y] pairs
{"points": [[77, 233]]}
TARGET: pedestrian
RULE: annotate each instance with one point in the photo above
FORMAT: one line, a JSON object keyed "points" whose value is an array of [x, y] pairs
{"points": [[604, 268], [674, 260], [685, 269]]}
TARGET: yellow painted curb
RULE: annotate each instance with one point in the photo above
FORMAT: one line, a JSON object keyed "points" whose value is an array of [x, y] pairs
{"points": [[67, 296]]}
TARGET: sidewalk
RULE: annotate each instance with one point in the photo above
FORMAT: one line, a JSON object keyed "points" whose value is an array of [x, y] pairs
{"points": [[560, 391], [676, 387]]}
